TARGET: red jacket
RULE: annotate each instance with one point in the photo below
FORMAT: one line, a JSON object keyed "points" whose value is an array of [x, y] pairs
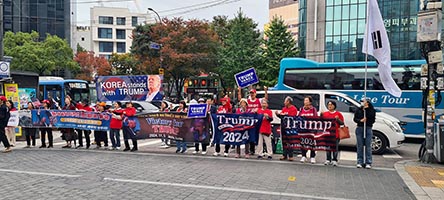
{"points": [[116, 120], [266, 122], [129, 111], [332, 115]]}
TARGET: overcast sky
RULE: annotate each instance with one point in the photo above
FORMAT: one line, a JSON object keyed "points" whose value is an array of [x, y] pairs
{"points": [[200, 9]]}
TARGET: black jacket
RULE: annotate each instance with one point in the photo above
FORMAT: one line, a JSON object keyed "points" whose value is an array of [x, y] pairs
{"points": [[4, 116], [370, 113]]}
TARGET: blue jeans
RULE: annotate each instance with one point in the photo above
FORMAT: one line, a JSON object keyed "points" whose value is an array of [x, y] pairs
{"points": [[114, 135], [181, 146], [334, 153], [361, 142]]}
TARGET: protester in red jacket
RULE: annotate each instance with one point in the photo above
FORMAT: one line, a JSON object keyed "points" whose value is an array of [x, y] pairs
{"points": [[333, 114], [128, 133], [308, 110], [116, 125], [224, 108], [84, 106], [288, 110], [265, 131]]}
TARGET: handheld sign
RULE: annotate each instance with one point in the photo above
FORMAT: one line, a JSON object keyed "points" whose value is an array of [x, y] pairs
{"points": [[246, 78], [197, 111]]}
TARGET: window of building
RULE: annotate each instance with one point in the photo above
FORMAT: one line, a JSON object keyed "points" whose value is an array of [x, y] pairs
{"points": [[105, 20], [134, 21], [105, 47], [83, 39], [120, 34], [121, 48], [120, 20], [105, 33]]}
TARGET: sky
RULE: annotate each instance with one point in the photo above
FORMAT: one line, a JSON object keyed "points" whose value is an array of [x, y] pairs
{"points": [[187, 9]]}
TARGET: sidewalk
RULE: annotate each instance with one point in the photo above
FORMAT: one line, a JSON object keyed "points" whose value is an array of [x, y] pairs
{"points": [[426, 181]]}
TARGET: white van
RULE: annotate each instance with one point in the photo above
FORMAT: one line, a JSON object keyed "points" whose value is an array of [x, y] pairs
{"points": [[387, 132]]}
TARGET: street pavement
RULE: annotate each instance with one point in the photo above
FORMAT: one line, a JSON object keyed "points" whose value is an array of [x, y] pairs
{"points": [[157, 173]]}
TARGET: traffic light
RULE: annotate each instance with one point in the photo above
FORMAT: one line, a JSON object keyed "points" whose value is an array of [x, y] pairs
{"points": [[203, 82], [161, 71]]}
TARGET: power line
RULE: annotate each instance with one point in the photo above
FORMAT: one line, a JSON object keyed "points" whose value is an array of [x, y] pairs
{"points": [[203, 7]]}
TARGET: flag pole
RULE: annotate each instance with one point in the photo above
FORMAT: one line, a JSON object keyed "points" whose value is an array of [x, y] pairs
{"points": [[366, 66]]}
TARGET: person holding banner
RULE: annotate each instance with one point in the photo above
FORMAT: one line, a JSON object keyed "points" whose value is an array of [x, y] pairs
{"points": [[308, 111], [265, 131], [180, 144], [84, 106], [333, 114], [365, 118], [68, 134], [10, 130], [116, 125], [288, 110], [101, 136], [128, 126], [43, 131], [200, 135], [243, 109], [224, 108], [4, 118], [30, 133], [164, 108]]}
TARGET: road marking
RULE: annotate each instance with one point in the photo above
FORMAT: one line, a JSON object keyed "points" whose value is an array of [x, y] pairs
{"points": [[150, 143], [39, 173], [393, 155], [292, 178], [224, 189], [347, 155]]}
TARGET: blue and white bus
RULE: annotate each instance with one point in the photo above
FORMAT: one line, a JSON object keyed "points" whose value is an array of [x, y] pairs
{"points": [[348, 78], [57, 88]]}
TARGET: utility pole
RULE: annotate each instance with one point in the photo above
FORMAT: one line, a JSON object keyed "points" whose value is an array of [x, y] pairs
{"points": [[1, 30], [429, 37], [161, 69]]}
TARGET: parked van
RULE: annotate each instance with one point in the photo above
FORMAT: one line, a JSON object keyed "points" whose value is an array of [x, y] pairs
{"points": [[387, 132]]}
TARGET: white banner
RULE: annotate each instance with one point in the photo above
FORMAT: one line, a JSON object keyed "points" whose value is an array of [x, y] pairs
{"points": [[14, 118]]}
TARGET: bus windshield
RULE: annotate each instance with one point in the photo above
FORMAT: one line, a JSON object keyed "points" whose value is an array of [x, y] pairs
{"points": [[56, 90]]}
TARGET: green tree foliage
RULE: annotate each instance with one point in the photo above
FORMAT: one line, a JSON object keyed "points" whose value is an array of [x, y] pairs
{"points": [[188, 47], [278, 44], [241, 49], [52, 54], [125, 64]]}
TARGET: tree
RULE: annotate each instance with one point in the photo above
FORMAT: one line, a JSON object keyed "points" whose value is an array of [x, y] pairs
{"points": [[241, 49], [91, 66], [187, 47], [53, 54], [123, 64], [278, 44]]}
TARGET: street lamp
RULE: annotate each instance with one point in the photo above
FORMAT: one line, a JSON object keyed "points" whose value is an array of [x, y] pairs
{"points": [[160, 20]]}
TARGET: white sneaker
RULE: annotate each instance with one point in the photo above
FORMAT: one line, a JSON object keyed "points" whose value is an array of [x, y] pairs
{"points": [[204, 153], [312, 160], [327, 162], [163, 144], [334, 163], [303, 159], [225, 154], [195, 152], [359, 166], [216, 154], [118, 148], [368, 166]]}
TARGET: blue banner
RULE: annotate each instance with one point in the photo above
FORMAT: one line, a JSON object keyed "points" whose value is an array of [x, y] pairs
{"points": [[236, 129], [131, 88], [246, 78], [71, 119], [197, 110]]}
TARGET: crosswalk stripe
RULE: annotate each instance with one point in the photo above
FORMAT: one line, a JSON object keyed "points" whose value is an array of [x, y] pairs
{"points": [[347, 155], [394, 155], [150, 142]]}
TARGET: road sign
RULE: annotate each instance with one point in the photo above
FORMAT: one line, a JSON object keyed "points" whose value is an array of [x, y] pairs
{"points": [[154, 45]]}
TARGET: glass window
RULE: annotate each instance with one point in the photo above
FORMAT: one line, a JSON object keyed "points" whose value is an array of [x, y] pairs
{"points": [[120, 34], [345, 12], [120, 20], [121, 47], [105, 20], [345, 25], [134, 21], [362, 11], [342, 104], [361, 26], [353, 11], [330, 2], [345, 2], [105, 47], [337, 28], [329, 14], [353, 26], [105, 33], [329, 28], [337, 14]]}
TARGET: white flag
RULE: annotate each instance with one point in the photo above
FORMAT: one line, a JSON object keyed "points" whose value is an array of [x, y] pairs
{"points": [[376, 43]]}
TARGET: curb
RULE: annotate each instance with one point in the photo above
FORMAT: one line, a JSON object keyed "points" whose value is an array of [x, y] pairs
{"points": [[417, 190]]}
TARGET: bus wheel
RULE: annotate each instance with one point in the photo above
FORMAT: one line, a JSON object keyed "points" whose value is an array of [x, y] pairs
{"points": [[379, 143]]}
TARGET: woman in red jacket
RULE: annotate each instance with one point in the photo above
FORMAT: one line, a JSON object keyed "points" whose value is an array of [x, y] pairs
{"points": [[224, 108], [128, 133], [116, 125], [333, 114], [265, 131]]}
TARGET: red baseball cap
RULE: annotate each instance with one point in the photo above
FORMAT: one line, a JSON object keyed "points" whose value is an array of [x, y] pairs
{"points": [[3, 98], [253, 91]]}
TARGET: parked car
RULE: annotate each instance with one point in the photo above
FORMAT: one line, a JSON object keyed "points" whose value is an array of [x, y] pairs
{"points": [[142, 107], [387, 132]]}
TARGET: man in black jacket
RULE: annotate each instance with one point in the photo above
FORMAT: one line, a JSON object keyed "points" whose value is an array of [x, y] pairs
{"points": [[4, 118], [365, 118]]}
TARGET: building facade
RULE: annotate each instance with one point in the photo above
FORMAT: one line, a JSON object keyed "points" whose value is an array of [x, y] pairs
{"points": [[82, 36], [111, 29], [49, 16], [288, 10], [333, 30]]}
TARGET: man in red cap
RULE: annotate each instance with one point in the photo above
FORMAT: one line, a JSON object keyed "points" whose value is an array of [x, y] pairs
{"points": [[4, 118]]}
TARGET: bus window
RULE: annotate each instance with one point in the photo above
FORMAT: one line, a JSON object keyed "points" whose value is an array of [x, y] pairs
{"points": [[342, 105], [275, 101], [298, 100], [54, 92], [77, 91]]}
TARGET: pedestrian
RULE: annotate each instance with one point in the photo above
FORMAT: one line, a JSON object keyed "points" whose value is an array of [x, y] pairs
{"points": [[68, 134], [364, 117], [265, 131], [4, 118], [332, 113], [116, 125], [10, 130], [308, 110], [164, 108], [30, 133], [243, 109], [128, 126], [47, 130], [181, 146], [288, 110], [101, 136], [84, 106], [224, 108]]}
